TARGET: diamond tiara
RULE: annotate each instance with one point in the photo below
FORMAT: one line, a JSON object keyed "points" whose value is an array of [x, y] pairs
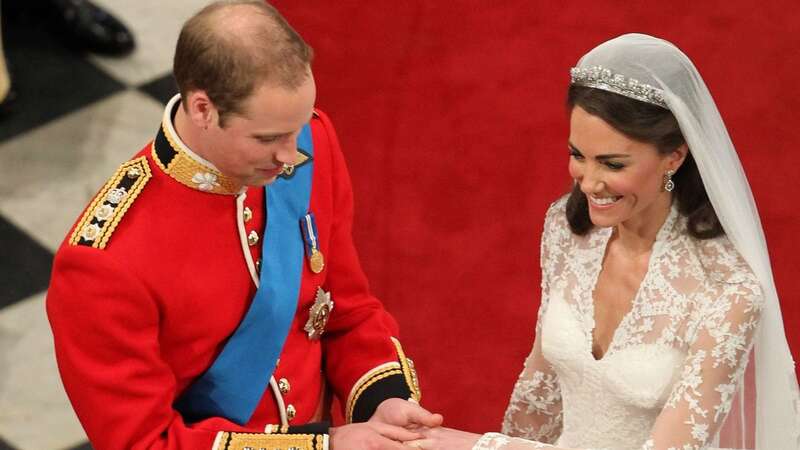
{"points": [[601, 78]]}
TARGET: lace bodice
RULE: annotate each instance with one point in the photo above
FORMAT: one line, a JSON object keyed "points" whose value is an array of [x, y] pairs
{"points": [[669, 376]]}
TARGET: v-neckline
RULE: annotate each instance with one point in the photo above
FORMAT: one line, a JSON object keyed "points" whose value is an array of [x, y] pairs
{"points": [[654, 256]]}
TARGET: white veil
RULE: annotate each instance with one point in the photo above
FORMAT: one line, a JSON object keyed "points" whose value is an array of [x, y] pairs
{"points": [[766, 412]]}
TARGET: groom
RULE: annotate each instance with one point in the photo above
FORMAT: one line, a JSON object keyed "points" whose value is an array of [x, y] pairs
{"points": [[210, 296]]}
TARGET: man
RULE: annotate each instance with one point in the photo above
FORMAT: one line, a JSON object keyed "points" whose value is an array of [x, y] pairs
{"points": [[194, 308]]}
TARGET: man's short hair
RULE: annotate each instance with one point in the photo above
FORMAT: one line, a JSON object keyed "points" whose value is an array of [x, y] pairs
{"points": [[229, 48]]}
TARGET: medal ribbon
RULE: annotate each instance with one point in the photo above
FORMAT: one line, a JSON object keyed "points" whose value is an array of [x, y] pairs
{"points": [[309, 226], [234, 384]]}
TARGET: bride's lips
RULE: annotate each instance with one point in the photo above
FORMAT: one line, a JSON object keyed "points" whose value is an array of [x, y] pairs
{"points": [[604, 202]]}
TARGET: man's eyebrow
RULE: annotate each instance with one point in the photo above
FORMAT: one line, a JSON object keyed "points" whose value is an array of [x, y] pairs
{"points": [[601, 157]]}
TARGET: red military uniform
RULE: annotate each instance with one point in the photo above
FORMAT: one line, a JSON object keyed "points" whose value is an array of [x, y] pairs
{"points": [[157, 275]]}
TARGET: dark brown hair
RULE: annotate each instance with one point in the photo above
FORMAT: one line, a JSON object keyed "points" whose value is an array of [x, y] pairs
{"points": [[229, 47], [653, 125]]}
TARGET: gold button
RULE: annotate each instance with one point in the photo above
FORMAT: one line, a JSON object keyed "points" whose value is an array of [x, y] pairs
{"points": [[133, 172], [247, 214], [284, 386], [290, 412], [258, 266], [252, 238]]}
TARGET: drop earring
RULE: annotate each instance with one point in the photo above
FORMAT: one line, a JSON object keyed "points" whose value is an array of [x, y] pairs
{"points": [[669, 185]]}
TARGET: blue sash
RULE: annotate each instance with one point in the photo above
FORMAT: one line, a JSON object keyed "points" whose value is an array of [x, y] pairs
{"points": [[236, 381]]}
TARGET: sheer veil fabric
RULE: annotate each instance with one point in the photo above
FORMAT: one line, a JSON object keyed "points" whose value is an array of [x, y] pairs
{"points": [[766, 414]]}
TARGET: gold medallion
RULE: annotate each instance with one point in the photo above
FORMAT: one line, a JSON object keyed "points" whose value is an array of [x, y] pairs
{"points": [[316, 261]]}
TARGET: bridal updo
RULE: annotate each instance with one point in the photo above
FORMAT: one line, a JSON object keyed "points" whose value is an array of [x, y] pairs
{"points": [[654, 125]]}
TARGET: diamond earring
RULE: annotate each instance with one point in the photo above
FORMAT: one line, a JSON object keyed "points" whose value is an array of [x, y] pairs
{"points": [[669, 185]]}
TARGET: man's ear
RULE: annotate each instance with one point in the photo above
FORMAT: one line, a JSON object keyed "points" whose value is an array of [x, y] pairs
{"points": [[201, 109]]}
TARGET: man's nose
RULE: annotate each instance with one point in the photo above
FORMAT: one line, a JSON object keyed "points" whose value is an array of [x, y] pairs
{"points": [[287, 153]]}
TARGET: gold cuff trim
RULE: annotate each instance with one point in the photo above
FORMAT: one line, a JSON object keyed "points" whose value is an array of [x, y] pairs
{"points": [[220, 440], [409, 372], [370, 378], [252, 441], [110, 204]]}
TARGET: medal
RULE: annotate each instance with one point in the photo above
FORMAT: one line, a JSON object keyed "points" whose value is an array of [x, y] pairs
{"points": [[316, 260], [319, 314]]}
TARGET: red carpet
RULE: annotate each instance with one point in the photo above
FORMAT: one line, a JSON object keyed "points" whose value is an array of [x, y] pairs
{"points": [[451, 116]]}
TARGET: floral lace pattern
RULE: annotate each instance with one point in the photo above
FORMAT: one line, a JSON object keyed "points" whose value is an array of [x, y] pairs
{"points": [[674, 364], [535, 395], [490, 441]]}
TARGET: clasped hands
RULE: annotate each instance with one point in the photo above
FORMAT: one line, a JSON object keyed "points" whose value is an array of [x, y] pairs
{"points": [[401, 425]]}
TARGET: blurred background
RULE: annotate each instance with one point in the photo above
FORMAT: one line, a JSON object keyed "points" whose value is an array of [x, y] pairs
{"points": [[451, 116]]}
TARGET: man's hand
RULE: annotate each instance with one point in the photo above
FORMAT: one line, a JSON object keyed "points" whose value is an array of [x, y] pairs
{"points": [[406, 414], [370, 436]]}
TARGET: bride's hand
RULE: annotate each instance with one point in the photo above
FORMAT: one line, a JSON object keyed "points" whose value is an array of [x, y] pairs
{"points": [[441, 438]]}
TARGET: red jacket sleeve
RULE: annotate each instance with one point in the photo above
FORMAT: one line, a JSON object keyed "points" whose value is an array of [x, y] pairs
{"points": [[364, 360], [106, 329], [105, 325]]}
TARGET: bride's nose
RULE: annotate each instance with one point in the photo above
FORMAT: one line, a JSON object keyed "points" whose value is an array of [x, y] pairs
{"points": [[590, 181]]}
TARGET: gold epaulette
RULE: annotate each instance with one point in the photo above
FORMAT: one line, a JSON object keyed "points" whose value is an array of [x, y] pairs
{"points": [[111, 203], [242, 441]]}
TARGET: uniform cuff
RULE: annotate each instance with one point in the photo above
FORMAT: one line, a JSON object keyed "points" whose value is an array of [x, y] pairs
{"points": [[396, 379]]}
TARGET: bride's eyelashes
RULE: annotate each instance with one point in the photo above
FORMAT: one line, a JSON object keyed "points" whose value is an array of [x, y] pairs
{"points": [[613, 165]]}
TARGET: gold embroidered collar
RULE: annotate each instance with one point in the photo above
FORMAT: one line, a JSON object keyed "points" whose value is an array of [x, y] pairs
{"points": [[184, 165]]}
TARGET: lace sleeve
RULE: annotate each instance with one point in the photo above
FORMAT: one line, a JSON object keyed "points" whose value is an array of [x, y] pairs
{"points": [[713, 369], [497, 441], [534, 411]]}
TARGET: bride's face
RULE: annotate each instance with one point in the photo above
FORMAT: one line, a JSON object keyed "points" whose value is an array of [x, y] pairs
{"points": [[623, 179]]}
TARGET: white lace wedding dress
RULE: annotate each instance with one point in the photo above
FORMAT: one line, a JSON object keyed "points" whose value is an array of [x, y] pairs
{"points": [[672, 369]]}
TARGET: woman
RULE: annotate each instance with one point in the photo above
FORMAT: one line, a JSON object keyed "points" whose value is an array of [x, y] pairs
{"points": [[656, 280]]}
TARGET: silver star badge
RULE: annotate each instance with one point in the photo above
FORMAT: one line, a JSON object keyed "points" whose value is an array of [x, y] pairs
{"points": [[319, 314]]}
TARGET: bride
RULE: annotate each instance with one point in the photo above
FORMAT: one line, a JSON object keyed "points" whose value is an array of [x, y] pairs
{"points": [[659, 326]]}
